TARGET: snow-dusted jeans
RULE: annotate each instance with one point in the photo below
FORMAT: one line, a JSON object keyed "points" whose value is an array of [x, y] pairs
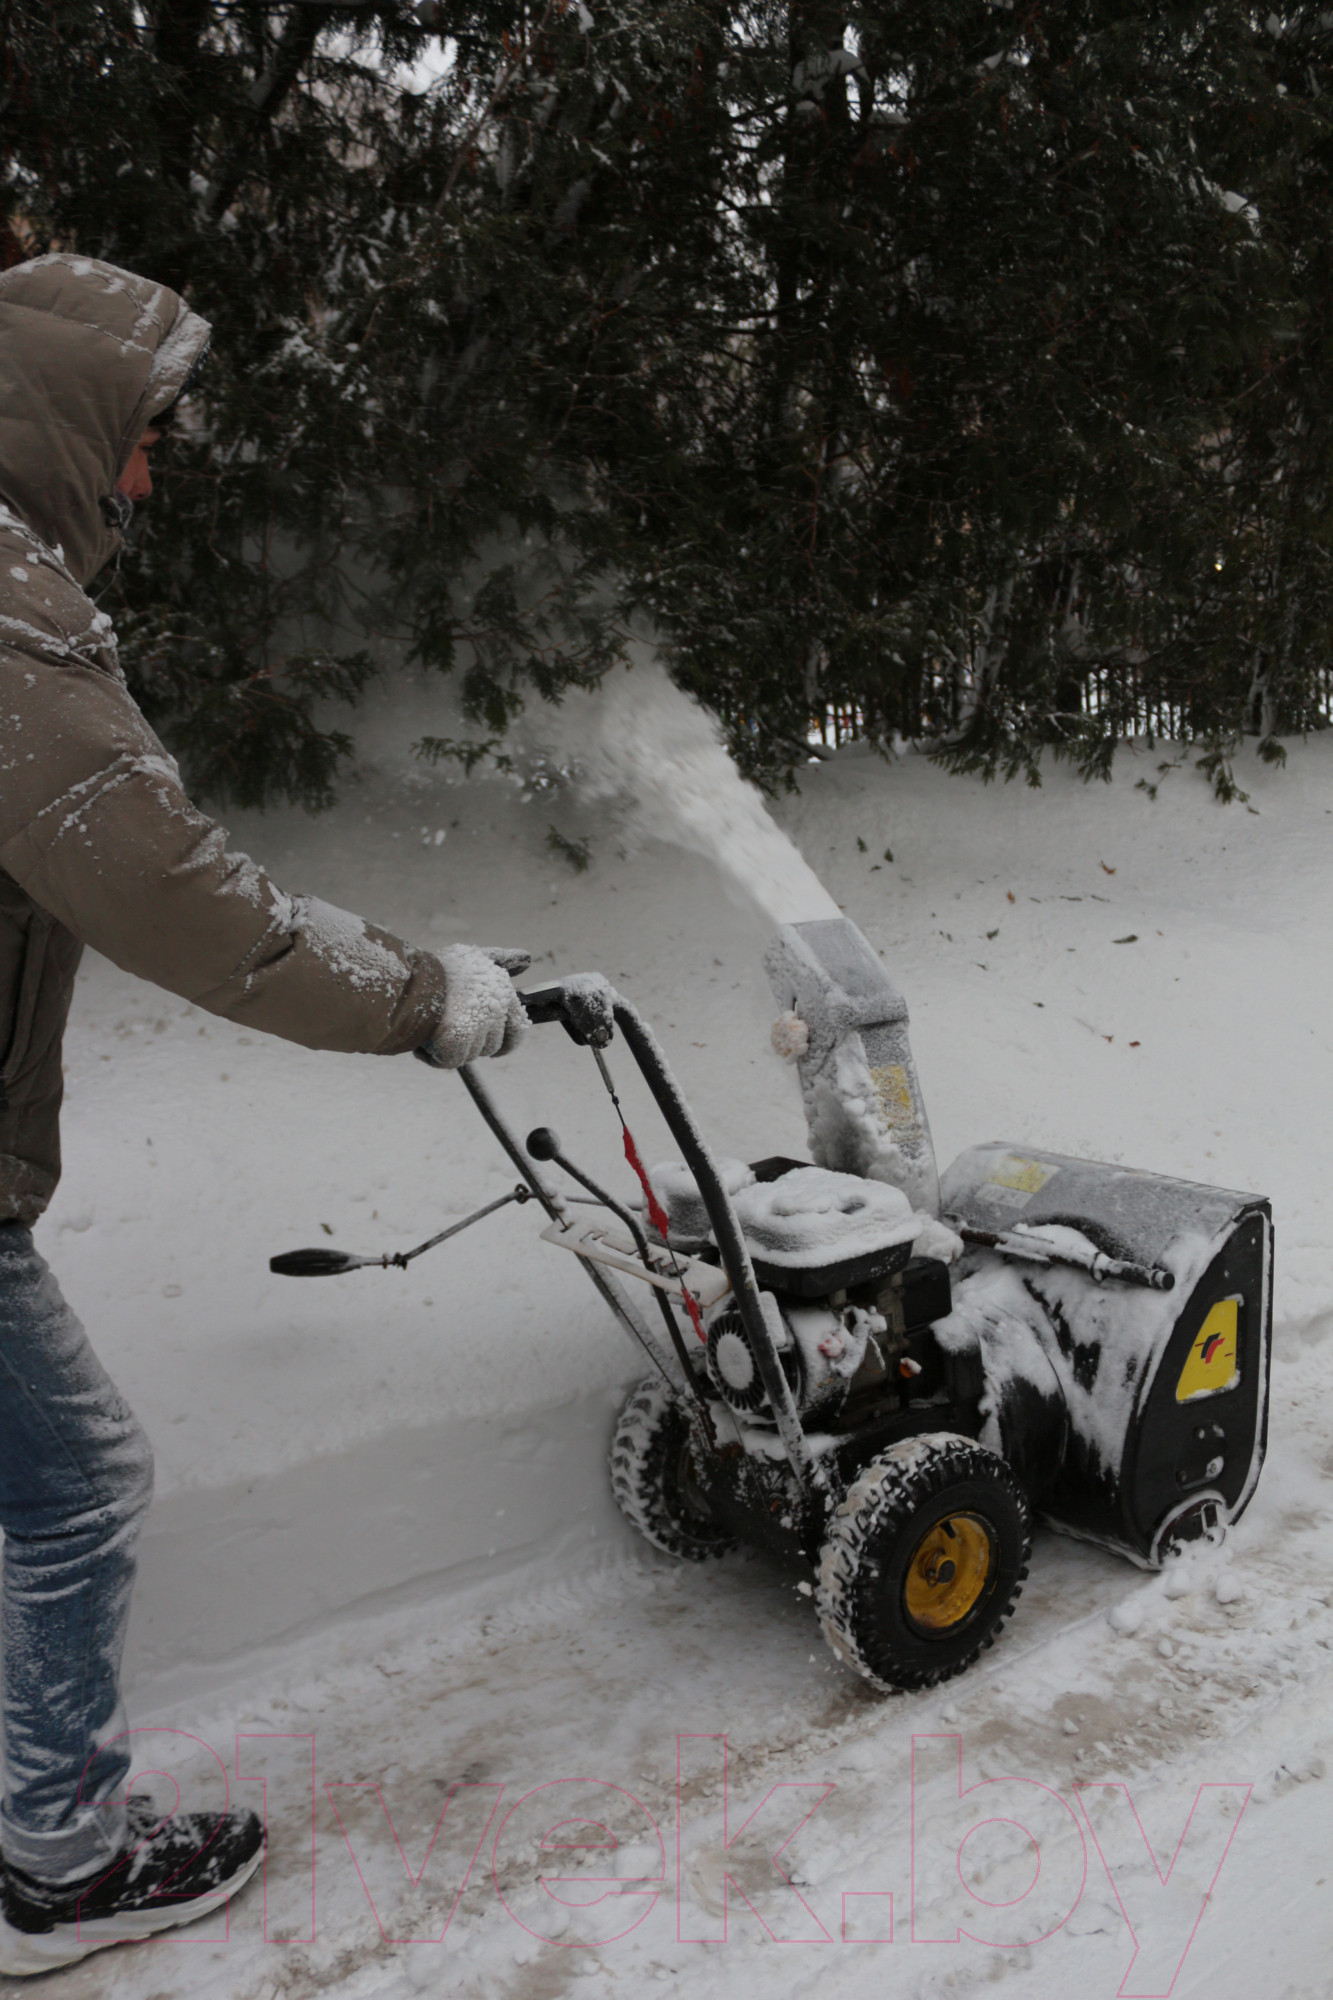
{"points": [[76, 1478]]}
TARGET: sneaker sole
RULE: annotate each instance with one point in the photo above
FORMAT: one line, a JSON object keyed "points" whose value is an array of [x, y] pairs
{"points": [[25, 1952]]}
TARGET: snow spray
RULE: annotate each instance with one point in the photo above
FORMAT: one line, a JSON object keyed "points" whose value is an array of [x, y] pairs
{"points": [[650, 751]]}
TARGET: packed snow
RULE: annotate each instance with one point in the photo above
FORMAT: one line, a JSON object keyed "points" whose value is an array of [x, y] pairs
{"points": [[677, 1191], [384, 1541]]}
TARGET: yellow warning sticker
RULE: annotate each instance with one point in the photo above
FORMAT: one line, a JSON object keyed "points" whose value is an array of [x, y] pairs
{"points": [[894, 1093], [1211, 1364], [1028, 1176]]}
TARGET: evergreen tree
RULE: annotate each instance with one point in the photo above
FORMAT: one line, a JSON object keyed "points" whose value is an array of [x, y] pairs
{"points": [[956, 366]]}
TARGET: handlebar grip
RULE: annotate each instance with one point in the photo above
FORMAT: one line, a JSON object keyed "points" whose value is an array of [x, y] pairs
{"points": [[313, 1263], [543, 1003], [583, 1009]]}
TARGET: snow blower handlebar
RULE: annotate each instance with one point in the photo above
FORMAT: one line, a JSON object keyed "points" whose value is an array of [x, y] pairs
{"points": [[589, 1009], [585, 1008]]}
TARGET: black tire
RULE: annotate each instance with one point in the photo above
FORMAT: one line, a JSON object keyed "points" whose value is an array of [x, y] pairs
{"points": [[652, 1477], [923, 1561]]}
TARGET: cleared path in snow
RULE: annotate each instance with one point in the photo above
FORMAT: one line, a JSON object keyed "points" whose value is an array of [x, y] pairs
{"points": [[583, 1683]]}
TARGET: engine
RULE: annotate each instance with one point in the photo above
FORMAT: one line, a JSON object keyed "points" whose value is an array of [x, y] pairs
{"points": [[837, 1253]]}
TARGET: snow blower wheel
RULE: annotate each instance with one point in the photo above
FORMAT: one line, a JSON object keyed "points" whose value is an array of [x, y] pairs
{"points": [[653, 1481], [923, 1561]]}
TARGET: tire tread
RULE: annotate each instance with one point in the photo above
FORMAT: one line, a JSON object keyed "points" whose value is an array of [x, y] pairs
{"points": [[644, 1437], [885, 1494]]}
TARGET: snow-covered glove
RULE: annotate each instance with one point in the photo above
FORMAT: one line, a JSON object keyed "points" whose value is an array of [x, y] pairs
{"points": [[483, 1016]]}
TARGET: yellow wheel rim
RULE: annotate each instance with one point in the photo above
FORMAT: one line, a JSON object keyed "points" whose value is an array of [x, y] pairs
{"points": [[948, 1571]]}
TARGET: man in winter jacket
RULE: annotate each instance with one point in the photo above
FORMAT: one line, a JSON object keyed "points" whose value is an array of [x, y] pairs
{"points": [[99, 845]]}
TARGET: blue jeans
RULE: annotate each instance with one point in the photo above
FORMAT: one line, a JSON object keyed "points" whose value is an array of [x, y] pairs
{"points": [[76, 1479]]}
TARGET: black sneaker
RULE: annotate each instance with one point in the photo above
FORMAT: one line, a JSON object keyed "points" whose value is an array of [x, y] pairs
{"points": [[169, 1872]]}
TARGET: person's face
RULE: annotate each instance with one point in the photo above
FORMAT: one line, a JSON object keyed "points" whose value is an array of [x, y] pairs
{"points": [[136, 481]]}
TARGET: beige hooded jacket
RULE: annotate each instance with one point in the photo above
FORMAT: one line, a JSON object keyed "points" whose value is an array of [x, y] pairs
{"points": [[98, 843]]}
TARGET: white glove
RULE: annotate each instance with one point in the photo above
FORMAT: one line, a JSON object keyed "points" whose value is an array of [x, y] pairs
{"points": [[483, 1016]]}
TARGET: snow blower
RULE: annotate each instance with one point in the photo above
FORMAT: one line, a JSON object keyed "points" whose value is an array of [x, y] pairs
{"points": [[879, 1376]]}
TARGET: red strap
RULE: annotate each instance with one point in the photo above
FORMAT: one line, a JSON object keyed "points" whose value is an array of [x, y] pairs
{"points": [[658, 1217]]}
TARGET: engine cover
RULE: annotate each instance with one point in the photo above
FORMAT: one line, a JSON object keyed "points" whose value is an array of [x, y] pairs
{"points": [[813, 1232]]}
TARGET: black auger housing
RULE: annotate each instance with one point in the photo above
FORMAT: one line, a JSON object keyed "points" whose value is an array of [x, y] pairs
{"points": [[1134, 1414]]}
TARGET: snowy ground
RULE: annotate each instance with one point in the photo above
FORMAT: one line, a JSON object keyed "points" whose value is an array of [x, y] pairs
{"points": [[383, 1524]]}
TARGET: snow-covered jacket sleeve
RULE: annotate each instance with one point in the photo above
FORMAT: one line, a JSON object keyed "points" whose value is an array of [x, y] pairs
{"points": [[97, 829]]}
